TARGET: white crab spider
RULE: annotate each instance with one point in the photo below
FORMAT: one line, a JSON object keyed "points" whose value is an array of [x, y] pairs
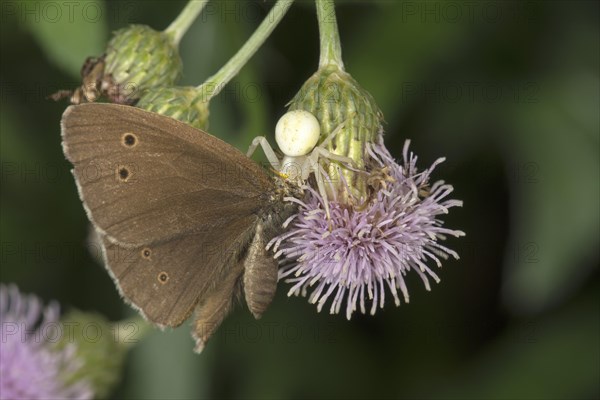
{"points": [[297, 133]]}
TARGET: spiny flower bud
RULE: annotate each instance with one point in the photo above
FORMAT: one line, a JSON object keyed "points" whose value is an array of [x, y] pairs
{"points": [[335, 98], [139, 57], [182, 103]]}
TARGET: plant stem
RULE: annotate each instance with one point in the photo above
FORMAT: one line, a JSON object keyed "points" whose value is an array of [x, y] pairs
{"points": [[331, 48], [214, 84], [184, 20]]}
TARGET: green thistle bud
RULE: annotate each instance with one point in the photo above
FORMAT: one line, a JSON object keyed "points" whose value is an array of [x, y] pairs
{"points": [[182, 103], [99, 346], [334, 97], [139, 57]]}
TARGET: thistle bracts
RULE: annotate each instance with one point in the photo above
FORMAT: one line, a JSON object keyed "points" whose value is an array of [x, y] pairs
{"points": [[140, 58], [183, 103], [335, 98]]}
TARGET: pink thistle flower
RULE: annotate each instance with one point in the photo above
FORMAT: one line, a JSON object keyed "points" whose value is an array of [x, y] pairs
{"points": [[30, 368], [364, 249]]}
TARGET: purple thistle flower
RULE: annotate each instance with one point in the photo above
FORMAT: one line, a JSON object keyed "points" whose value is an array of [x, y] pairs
{"points": [[30, 368], [363, 249]]}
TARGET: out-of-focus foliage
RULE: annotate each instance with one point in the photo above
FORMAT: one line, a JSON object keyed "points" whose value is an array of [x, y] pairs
{"points": [[507, 91]]}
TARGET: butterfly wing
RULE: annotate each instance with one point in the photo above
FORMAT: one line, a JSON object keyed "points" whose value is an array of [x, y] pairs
{"points": [[145, 178], [165, 281], [173, 204]]}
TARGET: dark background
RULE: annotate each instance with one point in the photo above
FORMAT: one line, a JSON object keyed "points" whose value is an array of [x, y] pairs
{"points": [[507, 91]]}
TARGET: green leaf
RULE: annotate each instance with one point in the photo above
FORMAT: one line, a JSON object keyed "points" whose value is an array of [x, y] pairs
{"points": [[68, 32], [553, 358], [422, 46], [555, 179]]}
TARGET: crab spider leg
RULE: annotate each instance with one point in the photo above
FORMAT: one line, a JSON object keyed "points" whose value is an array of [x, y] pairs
{"points": [[297, 133], [319, 172], [336, 130], [311, 164], [267, 149], [322, 152]]}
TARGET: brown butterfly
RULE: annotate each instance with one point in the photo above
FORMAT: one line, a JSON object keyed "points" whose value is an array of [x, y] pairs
{"points": [[183, 216]]}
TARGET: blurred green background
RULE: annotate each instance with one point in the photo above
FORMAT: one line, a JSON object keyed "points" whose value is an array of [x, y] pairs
{"points": [[507, 91]]}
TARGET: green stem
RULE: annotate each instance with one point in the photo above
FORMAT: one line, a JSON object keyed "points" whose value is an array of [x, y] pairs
{"points": [[331, 48], [213, 85], [184, 20]]}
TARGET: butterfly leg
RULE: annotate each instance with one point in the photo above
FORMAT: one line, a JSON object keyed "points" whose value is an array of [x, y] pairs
{"points": [[267, 149]]}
